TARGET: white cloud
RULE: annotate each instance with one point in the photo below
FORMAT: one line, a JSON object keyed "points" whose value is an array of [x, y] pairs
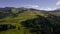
{"points": [[31, 6], [58, 2], [38, 7], [48, 9]]}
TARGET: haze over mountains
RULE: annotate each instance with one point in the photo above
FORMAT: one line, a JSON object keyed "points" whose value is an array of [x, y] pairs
{"points": [[7, 8]]}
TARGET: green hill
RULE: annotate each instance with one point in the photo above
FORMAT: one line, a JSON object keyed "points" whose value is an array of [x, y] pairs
{"points": [[29, 22]]}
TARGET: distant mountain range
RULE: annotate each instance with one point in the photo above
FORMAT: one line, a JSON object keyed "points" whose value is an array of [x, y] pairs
{"points": [[8, 9]]}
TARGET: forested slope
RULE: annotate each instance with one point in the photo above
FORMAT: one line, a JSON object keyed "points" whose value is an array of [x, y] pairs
{"points": [[28, 22]]}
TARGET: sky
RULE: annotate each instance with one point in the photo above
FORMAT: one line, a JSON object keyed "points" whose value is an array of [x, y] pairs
{"points": [[37, 4]]}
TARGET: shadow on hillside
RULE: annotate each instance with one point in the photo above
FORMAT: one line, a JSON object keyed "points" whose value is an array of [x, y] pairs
{"points": [[57, 27], [41, 25], [4, 27]]}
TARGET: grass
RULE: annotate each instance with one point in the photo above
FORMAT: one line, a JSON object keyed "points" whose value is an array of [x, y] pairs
{"points": [[16, 22]]}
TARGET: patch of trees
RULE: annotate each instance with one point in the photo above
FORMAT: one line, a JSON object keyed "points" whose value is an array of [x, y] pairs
{"points": [[4, 27], [42, 25], [3, 15], [14, 12]]}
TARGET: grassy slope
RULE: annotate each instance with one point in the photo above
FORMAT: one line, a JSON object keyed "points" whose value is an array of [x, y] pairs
{"points": [[17, 20], [55, 13]]}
